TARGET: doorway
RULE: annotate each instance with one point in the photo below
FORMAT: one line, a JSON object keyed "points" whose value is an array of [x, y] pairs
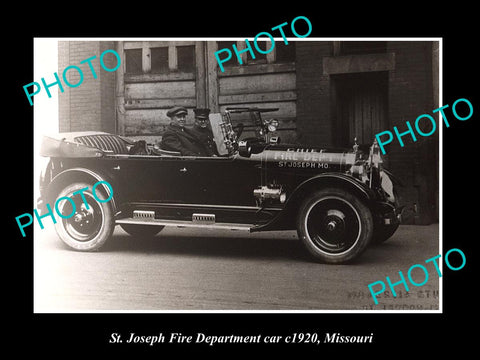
{"points": [[361, 107]]}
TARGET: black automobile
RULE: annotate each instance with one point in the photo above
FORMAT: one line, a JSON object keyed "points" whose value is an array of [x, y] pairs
{"points": [[339, 201]]}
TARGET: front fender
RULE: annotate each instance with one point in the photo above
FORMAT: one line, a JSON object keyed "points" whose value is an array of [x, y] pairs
{"points": [[338, 180], [286, 219]]}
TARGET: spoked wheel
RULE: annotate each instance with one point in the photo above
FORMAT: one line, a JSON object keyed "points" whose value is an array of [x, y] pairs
{"points": [[86, 224], [335, 226]]}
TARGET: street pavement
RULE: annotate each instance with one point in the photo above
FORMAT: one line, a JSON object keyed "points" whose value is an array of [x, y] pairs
{"points": [[210, 270]]}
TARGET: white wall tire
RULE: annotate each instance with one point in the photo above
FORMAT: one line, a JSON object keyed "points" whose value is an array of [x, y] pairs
{"points": [[86, 229]]}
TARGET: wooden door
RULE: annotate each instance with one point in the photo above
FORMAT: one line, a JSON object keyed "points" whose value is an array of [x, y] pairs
{"points": [[361, 107]]}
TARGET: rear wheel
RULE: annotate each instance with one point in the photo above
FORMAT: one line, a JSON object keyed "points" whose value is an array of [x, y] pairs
{"points": [[86, 224], [334, 225]]}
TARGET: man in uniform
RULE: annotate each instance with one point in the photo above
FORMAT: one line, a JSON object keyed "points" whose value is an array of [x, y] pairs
{"points": [[179, 138], [203, 132]]}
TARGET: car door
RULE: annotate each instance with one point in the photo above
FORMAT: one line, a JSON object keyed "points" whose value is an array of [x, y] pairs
{"points": [[221, 181], [157, 179]]}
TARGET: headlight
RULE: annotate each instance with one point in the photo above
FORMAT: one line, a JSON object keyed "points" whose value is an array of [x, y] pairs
{"points": [[272, 125]]}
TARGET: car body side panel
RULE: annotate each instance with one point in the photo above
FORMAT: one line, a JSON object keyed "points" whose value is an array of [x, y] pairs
{"points": [[176, 187], [187, 180]]}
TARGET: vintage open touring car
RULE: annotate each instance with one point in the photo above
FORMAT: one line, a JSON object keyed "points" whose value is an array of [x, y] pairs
{"points": [[339, 201]]}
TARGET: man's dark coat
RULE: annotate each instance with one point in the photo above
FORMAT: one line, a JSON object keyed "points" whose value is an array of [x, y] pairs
{"points": [[176, 138], [206, 139]]}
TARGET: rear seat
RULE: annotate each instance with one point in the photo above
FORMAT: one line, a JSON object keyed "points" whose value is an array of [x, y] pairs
{"points": [[108, 142]]}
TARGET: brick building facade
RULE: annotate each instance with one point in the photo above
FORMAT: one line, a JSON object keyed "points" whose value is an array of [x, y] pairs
{"points": [[91, 105], [327, 92]]}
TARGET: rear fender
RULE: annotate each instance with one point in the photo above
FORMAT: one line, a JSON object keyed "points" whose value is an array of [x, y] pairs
{"points": [[72, 175]]}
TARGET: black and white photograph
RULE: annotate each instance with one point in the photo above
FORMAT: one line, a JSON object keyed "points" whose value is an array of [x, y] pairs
{"points": [[260, 185], [232, 181]]}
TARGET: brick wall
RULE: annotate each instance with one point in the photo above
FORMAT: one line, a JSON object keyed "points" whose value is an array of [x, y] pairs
{"points": [[90, 106], [410, 94], [314, 123]]}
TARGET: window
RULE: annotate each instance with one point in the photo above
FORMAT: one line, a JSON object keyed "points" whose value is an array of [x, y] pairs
{"points": [[259, 57], [186, 58], [281, 53], [227, 45], [284, 53], [133, 61], [159, 60]]}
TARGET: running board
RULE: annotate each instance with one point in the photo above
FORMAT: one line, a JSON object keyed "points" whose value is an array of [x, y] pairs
{"points": [[179, 223]]}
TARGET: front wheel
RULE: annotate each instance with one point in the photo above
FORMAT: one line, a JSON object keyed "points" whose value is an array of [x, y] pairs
{"points": [[86, 224], [334, 225]]}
